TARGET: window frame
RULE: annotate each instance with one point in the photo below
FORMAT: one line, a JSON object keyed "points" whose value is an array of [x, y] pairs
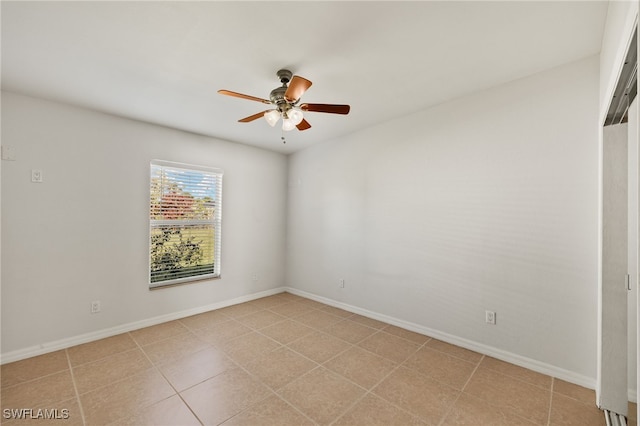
{"points": [[215, 221]]}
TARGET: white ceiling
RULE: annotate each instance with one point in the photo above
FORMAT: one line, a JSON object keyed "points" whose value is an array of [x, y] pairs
{"points": [[163, 62]]}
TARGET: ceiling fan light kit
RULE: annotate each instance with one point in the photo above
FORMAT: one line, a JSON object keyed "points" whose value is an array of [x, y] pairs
{"points": [[286, 98], [295, 115], [272, 116]]}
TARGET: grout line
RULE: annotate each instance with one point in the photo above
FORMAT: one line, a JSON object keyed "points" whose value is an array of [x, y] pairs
{"points": [[451, 354], [446, 414], [296, 409], [501, 407], [163, 339], [461, 392], [276, 395], [196, 330], [357, 401], [274, 392], [472, 373], [575, 399], [320, 364], [75, 388], [35, 378], [103, 356], [154, 366], [88, 364], [257, 330], [311, 330], [370, 391], [277, 392]]}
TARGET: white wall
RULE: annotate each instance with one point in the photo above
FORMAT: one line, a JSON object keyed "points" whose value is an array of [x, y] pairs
{"points": [[82, 234], [488, 202]]}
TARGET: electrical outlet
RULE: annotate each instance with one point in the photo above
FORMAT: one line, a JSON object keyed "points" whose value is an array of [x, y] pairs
{"points": [[254, 277], [36, 176], [490, 317], [95, 306], [341, 282]]}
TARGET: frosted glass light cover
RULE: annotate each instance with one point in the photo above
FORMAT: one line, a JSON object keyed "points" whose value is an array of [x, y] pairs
{"points": [[295, 115], [288, 124], [272, 117]]}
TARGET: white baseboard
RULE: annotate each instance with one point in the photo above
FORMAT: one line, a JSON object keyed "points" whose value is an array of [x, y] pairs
{"points": [[44, 348], [531, 364]]}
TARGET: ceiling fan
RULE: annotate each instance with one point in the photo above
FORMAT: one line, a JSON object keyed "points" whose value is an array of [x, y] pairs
{"points": [[286, 100]]}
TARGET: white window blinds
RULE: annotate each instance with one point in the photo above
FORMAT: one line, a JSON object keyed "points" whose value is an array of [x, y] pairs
{"points": [[185, 220]]}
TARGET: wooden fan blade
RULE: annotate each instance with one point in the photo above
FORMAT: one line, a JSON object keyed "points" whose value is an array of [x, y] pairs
{"points": [[253, 117], [331, 109], [304, 125], [297, 87], [242, 96]]}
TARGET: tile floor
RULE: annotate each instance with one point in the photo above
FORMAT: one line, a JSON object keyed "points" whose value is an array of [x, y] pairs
{"points": [[284, 360]]}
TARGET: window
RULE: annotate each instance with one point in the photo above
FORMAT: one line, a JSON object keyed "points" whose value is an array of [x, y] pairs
{"points": [[185, 218]]}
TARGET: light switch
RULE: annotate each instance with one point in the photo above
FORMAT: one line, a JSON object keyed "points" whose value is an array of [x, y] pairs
{"points": [[8, 153], [36, 176]]}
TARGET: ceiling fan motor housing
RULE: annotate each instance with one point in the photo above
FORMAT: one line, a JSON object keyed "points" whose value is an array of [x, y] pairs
{"points": [[277, 98], [277, 94], [284, 76]]}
